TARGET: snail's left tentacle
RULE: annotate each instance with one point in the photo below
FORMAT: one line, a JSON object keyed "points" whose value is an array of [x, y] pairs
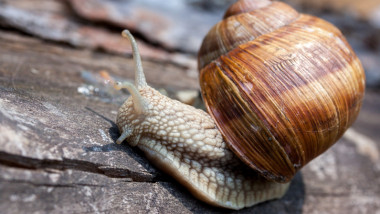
{"points": [[140, 81]]}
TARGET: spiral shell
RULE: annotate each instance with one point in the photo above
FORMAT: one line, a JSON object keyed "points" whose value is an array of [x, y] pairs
{"points": [[282, 86]]}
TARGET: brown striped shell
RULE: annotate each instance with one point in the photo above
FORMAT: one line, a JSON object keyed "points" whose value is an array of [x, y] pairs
{"points": [[282, 86]]}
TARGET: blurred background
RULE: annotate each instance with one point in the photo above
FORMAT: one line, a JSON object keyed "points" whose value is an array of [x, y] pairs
{"points": [[55, 56], [175, 28]]}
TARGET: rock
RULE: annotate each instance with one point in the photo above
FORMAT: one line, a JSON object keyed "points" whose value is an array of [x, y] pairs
{"points": [[161, 22], [53, 21]]}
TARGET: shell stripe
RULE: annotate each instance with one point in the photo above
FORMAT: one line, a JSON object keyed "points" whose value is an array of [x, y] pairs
{"points": [[245, 74]]}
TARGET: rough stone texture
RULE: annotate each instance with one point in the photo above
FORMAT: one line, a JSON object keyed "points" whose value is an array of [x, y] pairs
{"points": [[55, 21], [161, 22], [57, 134]]}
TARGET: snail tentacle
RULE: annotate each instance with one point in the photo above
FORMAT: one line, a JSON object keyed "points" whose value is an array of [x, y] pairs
{"points": [[124, 135], [140, 81], [139, 103]]}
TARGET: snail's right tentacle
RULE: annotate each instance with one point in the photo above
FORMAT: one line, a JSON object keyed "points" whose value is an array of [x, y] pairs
{"points": [[138, 101]]}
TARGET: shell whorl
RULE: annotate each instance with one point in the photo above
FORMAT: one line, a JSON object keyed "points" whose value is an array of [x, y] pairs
{"points": [[243, 22], [282, 89]]}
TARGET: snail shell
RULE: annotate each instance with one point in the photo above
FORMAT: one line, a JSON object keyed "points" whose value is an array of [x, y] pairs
{"points": [[282, 86]]}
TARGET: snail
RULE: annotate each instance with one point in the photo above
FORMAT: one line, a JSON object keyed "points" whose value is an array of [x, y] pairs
{"points": [[280, 88]]}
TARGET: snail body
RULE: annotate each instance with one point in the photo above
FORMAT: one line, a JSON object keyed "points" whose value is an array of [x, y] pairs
{"points": [[185, 142], [280, 90]]}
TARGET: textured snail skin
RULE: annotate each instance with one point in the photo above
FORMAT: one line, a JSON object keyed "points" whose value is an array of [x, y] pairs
{"points": [[282, 86], [185, 142]]}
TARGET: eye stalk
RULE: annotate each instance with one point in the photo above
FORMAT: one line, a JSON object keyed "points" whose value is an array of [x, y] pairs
{"points": [[140, 81]]}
